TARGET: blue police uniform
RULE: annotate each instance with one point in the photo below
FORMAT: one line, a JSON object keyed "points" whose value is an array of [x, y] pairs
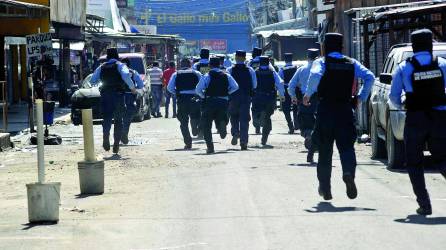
{"points": [[264, 101], [183, 84], [332, 77], [130, 104], [116, 80], [287, 73], [240, 103], [423, 80], [215, 88]]}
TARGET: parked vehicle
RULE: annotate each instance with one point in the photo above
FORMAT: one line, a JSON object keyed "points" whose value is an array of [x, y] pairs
{"points": [[88, 96], [387, 121]]}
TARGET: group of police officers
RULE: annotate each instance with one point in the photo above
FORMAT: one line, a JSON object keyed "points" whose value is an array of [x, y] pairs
{"points": [[322, 95]]}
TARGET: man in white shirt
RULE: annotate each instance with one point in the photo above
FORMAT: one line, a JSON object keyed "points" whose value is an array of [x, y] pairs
{"points": [[156, 86]]}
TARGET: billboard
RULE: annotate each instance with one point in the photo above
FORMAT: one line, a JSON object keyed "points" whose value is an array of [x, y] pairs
{"points": [[215, 45], [199, 20]]}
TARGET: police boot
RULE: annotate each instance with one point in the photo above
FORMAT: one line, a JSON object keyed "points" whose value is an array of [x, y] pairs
{"points": [[210, 149], [443, 173], [125, 138], [424, 210], [116, 148], [222, 130], [234, 140], [106, 142], [243, 146], [349, 180], [264, 139], [194, 125], [258, 130], [188, 146], [291, 128], [326, 194], [310, 158]]}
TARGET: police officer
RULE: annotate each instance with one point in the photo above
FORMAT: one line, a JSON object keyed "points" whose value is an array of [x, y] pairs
{"points": [[183, 84], [333, 77], [130, 101], [215, 88], [240, 103], [307, 114], [286, 73], [264, 101], [255, 61], [423, 79], [116, 80], [203, 64]]}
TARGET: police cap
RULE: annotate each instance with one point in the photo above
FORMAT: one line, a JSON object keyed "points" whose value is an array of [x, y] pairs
{"points": [[256, 52], [112, 53], [240, 53], [214, 62], [204, 54], [312, 53], [264, 61], [333, 42], [421, 40], [288, 57]]}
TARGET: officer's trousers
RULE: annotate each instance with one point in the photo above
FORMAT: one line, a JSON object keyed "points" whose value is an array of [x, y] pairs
{"points": [[113, 107], [263, 105], [130, 111], [213, 109], [423, 127], [307, 120], [174, 103], [188, 108], [239, 108], [287, 108], [334, 123]]}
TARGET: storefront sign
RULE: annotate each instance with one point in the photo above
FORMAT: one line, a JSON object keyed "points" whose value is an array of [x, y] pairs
{"points": [[38, 45], [214, 45]]}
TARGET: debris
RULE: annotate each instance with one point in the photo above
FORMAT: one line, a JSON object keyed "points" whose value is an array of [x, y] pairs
{"points": [[78, 210]]}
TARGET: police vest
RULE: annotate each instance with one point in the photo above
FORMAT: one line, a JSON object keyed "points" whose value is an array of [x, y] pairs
{"points": [[288, 73], [337, 82], [111, 78], [203, 68], [265, 81], [218, 84], [254, 65], [186, 80], [242, 75], [428, 86]]}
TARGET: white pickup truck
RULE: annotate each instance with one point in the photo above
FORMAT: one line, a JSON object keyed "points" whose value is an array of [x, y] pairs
{"points": [[386, 121]]}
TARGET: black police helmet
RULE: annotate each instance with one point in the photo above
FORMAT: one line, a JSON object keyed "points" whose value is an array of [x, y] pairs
{"points": [[240, 53], [288, 57], [312, 53], [112, 53], [333, 42], [421, 40], [264, 61], [214, 62], [256, 52], [185, 63], [204, 54]]}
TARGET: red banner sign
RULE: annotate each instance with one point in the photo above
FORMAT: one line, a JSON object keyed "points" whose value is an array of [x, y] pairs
{"points": [[215, 45]]}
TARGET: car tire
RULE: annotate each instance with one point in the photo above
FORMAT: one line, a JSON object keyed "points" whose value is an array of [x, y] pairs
{"points": [[395, 149], [378, 145]]}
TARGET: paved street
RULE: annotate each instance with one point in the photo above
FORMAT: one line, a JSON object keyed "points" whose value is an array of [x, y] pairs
{"points": [[161, 197]]}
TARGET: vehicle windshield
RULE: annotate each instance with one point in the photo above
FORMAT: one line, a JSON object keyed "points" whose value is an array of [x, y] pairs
{"points": [[440, 53], [137, 64]]}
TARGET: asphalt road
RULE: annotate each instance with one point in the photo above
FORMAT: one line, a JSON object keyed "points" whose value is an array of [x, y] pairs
{"points": [[161, 197]]}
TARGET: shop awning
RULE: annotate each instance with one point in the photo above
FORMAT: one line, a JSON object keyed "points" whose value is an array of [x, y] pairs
{"points": [[17, 9]]}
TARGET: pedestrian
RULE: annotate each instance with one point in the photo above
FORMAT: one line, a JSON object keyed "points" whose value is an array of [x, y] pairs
{"points": [[423, 79], [240, 101], [286, 73], [307, 114], [183, 84], [203, 64], [130, 101], [215, 88], [116, 80], [228, 62], [167, 74], [255, 61], [333, 77], [264, 101], [156, 87]]}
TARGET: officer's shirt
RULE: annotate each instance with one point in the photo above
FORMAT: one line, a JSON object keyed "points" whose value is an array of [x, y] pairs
{"points": [[402, 78], [202, 61], [318, 70], [288, 64], [171, 87], [277, 81], [136, 77], [206, 79], [251, 71], [123, 70], [300, 79]]}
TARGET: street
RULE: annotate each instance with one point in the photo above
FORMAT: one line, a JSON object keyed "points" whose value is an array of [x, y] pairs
{"points": [[158, 196]]}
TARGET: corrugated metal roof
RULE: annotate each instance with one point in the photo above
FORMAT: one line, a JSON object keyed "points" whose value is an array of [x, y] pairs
{"points": [[285, 33], [23, 4]]}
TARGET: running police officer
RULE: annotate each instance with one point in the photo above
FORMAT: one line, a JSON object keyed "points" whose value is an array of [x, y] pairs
{"points": [[333, 77], [116, 80], [215, 88], [240, 102], [264, 101], [203, 64], [130, 101], [307, 114], [286, 73], [423, 79], [183, 84]]}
